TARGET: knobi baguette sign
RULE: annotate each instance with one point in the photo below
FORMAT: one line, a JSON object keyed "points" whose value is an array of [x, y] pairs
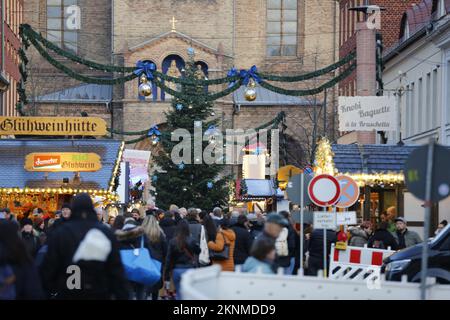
{"points": [[367, 114]]}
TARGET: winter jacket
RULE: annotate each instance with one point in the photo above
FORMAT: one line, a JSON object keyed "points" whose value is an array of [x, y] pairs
{"points": [[168, 226], [382, 239], [180, 257], [158, 249], [411, 238], [359, 237], [101, 280], [253, 265], [196, 230], [243, 243], [315, 246], [224, 237], [32, 243]]}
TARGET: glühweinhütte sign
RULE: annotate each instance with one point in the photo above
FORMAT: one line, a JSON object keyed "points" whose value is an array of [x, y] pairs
{"points": [[63, 162], [53, 126], [367, 113]]}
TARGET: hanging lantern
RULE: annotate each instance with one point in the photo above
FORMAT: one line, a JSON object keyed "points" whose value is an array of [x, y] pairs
{"points": [[250, 91], [145, 88]]}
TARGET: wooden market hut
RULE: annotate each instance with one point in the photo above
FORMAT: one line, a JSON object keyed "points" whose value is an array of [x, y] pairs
{"points": [[22, 190]]}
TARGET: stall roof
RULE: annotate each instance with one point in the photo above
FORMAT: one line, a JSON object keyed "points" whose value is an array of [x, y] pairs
{"points": [[14, 151], [370, 159], [259, 188]]}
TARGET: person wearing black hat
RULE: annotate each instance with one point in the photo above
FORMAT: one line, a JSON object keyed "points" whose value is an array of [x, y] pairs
{"points": [[66, 212], [92, 247], [404, 237], [273, 226], [30, 240], [315, 250], [244, 240]]}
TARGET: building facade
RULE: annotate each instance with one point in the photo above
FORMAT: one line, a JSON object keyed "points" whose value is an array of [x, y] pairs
{"points": [[418, 73], [11, 18]]}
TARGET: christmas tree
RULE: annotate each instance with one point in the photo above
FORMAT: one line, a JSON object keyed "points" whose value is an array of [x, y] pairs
{"points": [[193, 183]]}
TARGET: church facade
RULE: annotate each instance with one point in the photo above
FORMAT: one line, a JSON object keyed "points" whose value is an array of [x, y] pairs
{"points": [[283, 37]]}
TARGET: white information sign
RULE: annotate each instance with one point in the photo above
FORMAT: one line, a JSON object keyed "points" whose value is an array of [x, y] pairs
{"points": [[368, 113], [346, 218], [324, 220]]}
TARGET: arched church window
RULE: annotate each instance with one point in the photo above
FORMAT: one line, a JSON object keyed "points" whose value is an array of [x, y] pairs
{"points": [[173, 65]]}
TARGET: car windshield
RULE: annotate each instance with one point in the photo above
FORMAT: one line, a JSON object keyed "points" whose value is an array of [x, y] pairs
{"points": [[440, 235]]}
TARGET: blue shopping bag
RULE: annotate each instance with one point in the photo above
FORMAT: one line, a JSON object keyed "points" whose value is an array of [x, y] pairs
{"points": [[139, 265]]}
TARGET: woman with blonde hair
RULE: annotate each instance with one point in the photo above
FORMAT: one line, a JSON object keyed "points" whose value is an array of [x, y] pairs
{"points": [[158, 247]]}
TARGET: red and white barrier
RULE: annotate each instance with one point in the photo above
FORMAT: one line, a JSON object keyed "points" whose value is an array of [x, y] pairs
{"points": [[356, 263]]}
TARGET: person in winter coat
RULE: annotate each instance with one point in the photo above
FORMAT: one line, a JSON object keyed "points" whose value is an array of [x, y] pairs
{"points": [[181, 254], [158, 248], [382, 238], [262, 257], [66, 212], [32, 243], [360, 235], [194, 225], [244, 240], [225, 237], [19, 277], [168, 225], [286, 240], [91, 247], [315, 249], [405, 238]]}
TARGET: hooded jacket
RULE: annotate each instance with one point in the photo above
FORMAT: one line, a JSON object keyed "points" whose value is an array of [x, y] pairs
{"points": [[100, 265], [359, 237], [382, 238]]}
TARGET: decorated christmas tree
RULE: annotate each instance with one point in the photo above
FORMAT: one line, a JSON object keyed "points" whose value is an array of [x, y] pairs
{"points": [[191, 183]]}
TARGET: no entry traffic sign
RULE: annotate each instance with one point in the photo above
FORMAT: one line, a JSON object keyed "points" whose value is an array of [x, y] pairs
{"points": [[324, 190], [349, 192]]}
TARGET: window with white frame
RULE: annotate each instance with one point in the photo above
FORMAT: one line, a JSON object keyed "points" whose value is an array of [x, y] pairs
{"points": [[57, 29], [281, 35]]}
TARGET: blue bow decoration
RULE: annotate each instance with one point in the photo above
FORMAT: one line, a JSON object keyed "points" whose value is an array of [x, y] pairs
{"points": [[250, 73], [154, 131], [232, 73], [145, 67]]}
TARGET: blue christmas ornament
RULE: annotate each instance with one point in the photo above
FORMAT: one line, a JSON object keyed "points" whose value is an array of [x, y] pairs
{"points": [[179, 107], [155, 178], [210, 185], [181, 166]]}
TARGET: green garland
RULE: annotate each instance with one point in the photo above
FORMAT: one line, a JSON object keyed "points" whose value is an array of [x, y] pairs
{"points": [[76, 75], [309, 92], [310, 75]]}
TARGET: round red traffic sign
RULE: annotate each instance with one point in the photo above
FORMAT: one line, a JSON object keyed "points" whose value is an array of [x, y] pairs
{"points": [[324, 190], [349, 192]]}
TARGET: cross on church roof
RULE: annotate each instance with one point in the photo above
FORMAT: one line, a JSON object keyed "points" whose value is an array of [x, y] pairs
{"points": [[173, 24]]}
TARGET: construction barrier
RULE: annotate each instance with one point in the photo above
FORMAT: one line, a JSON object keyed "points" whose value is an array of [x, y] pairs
{"points": [[357, 263], [212, 284]]}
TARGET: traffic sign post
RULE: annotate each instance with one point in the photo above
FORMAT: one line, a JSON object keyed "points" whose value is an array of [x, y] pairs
{"points": [[296, 190], [324, 190]]}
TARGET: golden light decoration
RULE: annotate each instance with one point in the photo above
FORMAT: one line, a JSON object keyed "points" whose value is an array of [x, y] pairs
{"points": [[324, 163], [377, 179]]}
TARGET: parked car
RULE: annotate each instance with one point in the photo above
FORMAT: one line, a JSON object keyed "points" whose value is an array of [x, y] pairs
{"points": [[408, 261]]}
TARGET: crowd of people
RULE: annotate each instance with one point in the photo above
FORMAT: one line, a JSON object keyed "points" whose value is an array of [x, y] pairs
{"points": [[36, 251]]}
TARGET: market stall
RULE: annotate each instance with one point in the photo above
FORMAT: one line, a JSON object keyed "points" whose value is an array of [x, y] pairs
{"points": [[47, 173]]}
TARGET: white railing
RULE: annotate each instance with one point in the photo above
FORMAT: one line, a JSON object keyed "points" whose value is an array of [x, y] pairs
{"points": [[212, 284]]}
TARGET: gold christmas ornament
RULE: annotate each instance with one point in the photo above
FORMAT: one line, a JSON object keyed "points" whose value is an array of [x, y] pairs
{"points": [[145, 89], [250, 94], [143, 79]]}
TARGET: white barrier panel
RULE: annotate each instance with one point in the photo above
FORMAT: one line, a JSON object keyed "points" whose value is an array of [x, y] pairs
{"points": [[211, 284], [357, 263]]}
